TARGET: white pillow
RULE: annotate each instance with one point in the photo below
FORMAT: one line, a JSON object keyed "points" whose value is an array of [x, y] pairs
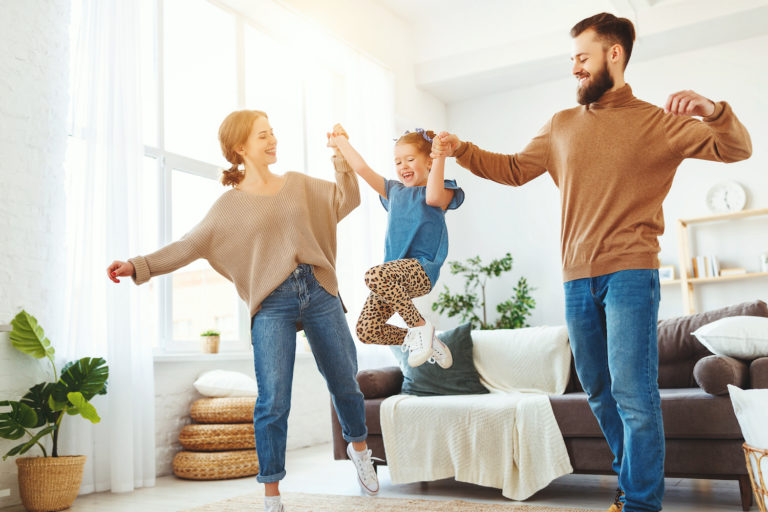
{"points": [[744, 337], [218, 383], [532, 359], [751, 408]]}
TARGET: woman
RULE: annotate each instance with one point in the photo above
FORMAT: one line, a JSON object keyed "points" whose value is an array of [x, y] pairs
{"points": [[274, 237]]}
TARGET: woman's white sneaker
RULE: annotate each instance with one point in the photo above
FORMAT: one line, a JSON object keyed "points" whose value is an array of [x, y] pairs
{"points": [[366, 472], [273, 504]]}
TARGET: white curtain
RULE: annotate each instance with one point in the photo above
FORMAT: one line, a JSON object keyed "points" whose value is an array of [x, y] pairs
{"points": [[369, 118], [103, 187]]}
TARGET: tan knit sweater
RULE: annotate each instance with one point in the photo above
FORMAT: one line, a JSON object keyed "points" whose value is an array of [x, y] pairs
{"points": [[257, 241], [613, 161]]}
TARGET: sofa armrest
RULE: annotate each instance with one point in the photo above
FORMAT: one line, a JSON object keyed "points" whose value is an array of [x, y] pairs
{"points": [[758, 373], [380, 382], [714, 373]]}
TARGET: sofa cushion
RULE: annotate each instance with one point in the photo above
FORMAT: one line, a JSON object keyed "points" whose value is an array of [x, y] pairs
{"points": [[758, 373], [745, 337], [714, 373], [430, 379], [536, 359], [679, 349], [688, 414]]}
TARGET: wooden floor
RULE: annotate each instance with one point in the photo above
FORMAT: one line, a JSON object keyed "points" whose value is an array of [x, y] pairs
{"points": [[312, 470]]}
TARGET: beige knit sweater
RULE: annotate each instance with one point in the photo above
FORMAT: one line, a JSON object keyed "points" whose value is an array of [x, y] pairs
{"points": [[257, 241], [613, 161]]}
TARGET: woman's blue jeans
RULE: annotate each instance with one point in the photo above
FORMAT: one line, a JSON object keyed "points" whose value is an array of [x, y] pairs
{"points": [[612, 329], [300, 298]]}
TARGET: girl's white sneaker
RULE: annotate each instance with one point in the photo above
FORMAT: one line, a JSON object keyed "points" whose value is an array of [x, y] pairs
{"points": [[441, 354], [418, 342]]}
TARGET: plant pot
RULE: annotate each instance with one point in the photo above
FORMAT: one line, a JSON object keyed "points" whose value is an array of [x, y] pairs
{"points": [[210, 344], [49, 483]]}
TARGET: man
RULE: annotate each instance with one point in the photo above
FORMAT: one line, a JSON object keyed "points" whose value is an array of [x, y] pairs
{"points": [[613, 159]]}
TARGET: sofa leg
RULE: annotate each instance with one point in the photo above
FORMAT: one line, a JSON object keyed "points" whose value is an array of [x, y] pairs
{"points": [[746, 492]]}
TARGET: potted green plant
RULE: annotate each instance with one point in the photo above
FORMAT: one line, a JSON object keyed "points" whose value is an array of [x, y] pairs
{"points": [[514, 311], [210, 341], [49, 482]]}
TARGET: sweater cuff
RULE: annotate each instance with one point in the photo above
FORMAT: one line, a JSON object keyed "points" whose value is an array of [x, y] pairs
{"points": [[461, 149], [141, 273], [341, 164], [719, 109]]}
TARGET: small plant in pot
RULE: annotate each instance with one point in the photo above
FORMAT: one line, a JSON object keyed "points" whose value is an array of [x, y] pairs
{"points": [[210, 341], [52, 482]]}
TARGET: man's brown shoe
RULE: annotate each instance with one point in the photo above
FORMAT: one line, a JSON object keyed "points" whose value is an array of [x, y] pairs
{"points": [[617, 505]]}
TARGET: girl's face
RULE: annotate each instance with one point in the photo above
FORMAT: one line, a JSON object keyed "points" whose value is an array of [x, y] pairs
{"points": [[260, 147], [412, 165]]}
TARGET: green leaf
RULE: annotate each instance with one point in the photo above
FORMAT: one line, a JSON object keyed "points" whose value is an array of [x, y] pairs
{"points": [[83, 407], [13, 423], [24, 447], [87, 376], [37, 398], [28, 337]]}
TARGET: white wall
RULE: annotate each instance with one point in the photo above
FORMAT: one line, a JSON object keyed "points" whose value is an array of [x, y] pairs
{"points": [[34, 69], [526, 222]]}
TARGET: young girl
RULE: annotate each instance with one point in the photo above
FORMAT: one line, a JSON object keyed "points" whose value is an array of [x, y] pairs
{"points": [[274, 237], [415, 247]]}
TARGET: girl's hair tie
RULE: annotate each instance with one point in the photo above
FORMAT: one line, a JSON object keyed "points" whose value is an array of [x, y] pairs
{"points": [[423, 134]]}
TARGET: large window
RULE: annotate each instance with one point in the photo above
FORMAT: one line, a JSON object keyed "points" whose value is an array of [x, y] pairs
{"points": [[201, 62]]}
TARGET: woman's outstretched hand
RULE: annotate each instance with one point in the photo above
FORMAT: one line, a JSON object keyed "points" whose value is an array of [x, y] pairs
{"points": [[120, 269]]}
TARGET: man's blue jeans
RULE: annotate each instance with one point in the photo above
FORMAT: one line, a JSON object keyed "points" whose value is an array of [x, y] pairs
{"points": [[300, 298], [612, 329]]}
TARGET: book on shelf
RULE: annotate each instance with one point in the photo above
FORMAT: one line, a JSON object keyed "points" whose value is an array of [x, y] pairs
{"points": [[705, 266], [732, 271]]}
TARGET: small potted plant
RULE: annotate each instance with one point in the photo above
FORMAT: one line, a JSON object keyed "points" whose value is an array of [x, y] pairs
{"points": [[210, 341], [49, 482]]}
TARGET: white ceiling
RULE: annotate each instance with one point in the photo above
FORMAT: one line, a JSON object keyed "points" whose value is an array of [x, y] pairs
{"points": [[469, 48]]}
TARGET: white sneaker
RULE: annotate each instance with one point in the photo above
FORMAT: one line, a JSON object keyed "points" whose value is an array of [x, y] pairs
{"points": [[366, 472], [419, 342], [441, 354], [273, 505]]}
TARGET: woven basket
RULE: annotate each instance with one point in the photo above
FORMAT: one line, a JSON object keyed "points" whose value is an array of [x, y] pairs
{"points": [[223, 410], [49, 483], [756, 457], [209, 438], [215, 465]]}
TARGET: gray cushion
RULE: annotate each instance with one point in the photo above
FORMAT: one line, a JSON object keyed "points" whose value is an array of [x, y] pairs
{"points": [[430, 379]]}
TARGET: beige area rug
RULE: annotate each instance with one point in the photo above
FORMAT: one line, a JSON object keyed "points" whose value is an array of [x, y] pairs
{"points": [[298, 502]]}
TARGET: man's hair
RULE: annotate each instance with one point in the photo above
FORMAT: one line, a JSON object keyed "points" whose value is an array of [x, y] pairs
{"points": [[610, 30]]}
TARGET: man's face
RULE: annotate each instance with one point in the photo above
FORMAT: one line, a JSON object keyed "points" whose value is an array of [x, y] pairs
{"points": [[590, 67]]}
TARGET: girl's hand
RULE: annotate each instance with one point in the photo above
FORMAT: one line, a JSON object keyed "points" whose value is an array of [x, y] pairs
{"points": [[444, 144], [120, 269], [339, 130]]}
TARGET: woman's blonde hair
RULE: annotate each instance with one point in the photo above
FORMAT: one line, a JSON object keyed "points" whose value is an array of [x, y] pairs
{"points": [[422, 139], [233, 132]]}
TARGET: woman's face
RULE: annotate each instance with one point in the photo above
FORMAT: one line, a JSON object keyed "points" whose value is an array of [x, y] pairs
{"points": [[412, 165], [260, 148]]}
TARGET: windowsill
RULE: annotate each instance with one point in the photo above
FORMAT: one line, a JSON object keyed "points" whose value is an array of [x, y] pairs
{"points": [[195, 357]]}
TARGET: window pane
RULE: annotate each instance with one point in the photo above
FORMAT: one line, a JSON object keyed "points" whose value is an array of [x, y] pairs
{"points": [[200, 77], [272, 84], [321, 115], [202, 299], [148, 71]]}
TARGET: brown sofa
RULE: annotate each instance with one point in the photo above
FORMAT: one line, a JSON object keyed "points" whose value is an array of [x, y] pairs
{"points": [[703, 438]]}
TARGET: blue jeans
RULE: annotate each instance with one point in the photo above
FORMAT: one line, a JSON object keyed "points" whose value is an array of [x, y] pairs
{"points": [[300, 298], [612, 329]]}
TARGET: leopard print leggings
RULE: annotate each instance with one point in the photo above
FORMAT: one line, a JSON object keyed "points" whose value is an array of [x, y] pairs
{"points": [[393, 284]]}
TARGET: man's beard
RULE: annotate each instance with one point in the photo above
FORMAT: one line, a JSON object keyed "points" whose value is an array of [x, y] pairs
{"points": [[597, 85]]}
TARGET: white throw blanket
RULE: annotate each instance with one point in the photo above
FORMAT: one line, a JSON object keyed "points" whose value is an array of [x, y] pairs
{"points": [[510, 441]]}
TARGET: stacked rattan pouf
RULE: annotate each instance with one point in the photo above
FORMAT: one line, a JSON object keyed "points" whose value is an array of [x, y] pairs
{"points": [[220, 444]]}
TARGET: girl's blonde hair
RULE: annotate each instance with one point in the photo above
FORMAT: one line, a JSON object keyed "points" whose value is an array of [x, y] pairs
{"points": [[233, 132], [422, 139]]}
